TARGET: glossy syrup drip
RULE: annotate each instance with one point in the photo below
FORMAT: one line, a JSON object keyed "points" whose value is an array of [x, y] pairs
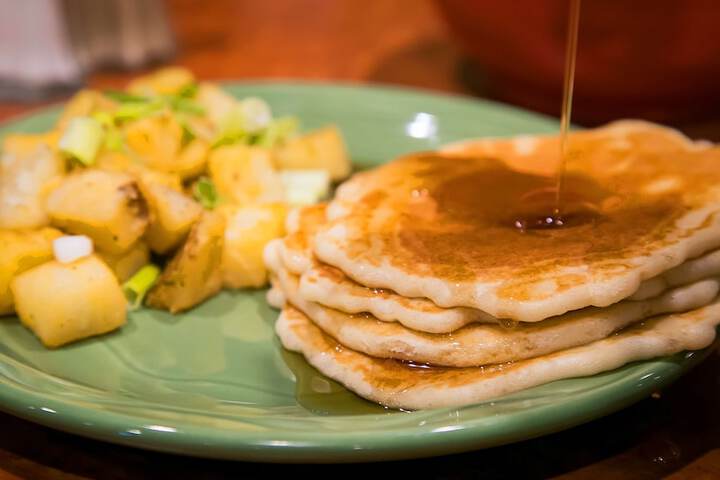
{"points": [[548, 205]]}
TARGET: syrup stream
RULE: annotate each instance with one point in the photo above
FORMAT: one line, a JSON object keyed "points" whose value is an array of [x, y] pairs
{"points": [[568, 86]]}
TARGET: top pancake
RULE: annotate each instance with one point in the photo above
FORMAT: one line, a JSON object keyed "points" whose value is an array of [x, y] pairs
{"points": [[439, 225]]}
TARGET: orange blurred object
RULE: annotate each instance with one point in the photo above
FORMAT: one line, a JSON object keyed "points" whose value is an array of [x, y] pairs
{"points": [[657, 59]]}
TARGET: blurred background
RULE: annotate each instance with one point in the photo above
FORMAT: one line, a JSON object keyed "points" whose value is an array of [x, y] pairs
{"points": [[654, 59]]}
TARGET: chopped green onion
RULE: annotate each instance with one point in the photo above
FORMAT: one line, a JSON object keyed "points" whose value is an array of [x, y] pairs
{"points": [[185, 105], [243, 119], [230, 139], [232, 124], [205, 192], [113, 136], [105, 119], [82, 139], [189, 90], [136, 110], [278, 132], [187, 135], [139, 284], [231, 130], [113, 140], [124, 97]]}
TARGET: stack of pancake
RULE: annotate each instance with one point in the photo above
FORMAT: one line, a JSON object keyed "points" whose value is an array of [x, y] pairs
{"points": [[429, 282]]}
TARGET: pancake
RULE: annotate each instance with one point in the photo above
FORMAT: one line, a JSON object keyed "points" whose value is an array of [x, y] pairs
{"points": [[301, 225], [329, 286], [476, 344], [705, 266], [441, 225], [410, 386]]}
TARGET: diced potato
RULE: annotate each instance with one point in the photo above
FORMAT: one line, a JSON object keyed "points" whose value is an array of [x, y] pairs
{"points": [[84, 103], [62, 303], [119, 162], [115, 161], [124, 265], [105, 206], [247, 232], [192, 159], [158, 142], [322, 149], [21, 250], [194, 272], [243, 174], [25, 176], [155, 139], [172, 214], [146, 175], [26, 143], [165, 81]]}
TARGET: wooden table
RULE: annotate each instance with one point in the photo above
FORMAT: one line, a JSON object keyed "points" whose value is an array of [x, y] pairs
{"points": [[400, 42]]}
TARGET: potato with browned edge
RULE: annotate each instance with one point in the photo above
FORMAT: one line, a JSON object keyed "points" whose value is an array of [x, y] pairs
{"points": [[83, 104], [121, 162], [172, 214], [21, 250], [158, 142], [194, 272], [248, 230], [164, 81], [245, 174], [65, 302], [105, 206], [28, 168]]}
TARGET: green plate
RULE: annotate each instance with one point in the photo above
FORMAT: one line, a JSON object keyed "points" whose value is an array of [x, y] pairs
{"points": [[214, 382]]}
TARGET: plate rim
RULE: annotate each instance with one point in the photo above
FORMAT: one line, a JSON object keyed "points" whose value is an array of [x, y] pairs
{"points": [[284, 446]]}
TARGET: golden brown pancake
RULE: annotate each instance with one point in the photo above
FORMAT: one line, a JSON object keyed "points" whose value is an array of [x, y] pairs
{"points": [[483, 344], [415, 386], [640, 199], [329, 286]]}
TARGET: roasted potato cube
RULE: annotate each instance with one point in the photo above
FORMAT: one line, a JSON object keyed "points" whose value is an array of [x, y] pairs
{"points": [[244, 175], [124, 265], [62, 303], [192, 159], [247, 232], [114, 161], [172, 214], [194, 272], [83, 103], [26, 173], [26, 143], [105, 206], [322, 149], [21, 250], [146, 175], [158, 141], [165, 81], [155, 139], [119, 162]]}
